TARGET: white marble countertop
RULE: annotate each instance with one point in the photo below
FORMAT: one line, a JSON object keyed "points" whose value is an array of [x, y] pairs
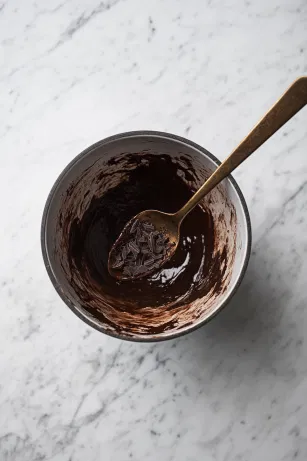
{"points": [[74, 72]]}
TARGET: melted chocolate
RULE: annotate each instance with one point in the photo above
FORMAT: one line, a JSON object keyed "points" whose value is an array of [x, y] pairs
{"points": [[194, 270]]}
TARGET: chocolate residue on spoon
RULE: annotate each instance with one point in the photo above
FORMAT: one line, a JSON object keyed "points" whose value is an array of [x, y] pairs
{"points": [[179, 292]]}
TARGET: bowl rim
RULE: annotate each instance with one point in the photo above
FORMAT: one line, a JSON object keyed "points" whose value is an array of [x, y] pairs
{"points": [[57, 286]]}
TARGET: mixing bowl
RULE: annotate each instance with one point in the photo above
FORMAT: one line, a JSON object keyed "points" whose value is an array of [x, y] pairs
{"points": [[94, 173]]}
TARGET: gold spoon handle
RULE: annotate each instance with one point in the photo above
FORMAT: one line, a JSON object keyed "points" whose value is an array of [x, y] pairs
{"points": [[286, 107]]}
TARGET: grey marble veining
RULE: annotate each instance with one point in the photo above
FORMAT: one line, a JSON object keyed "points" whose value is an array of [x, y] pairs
{"points": [[72, 73]]}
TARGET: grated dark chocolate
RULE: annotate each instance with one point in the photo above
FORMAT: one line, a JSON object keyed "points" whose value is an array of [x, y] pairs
{"points": [[143, 249]]}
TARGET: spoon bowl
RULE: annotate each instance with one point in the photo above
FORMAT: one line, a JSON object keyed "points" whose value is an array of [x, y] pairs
{"points": [[166, 223]]}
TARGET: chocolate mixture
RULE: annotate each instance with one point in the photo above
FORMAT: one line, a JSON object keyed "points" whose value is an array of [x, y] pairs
{"points": [[162, 300]]}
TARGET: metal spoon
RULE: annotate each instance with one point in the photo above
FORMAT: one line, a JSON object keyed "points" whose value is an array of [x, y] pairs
{"points": [[294, 99]]}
